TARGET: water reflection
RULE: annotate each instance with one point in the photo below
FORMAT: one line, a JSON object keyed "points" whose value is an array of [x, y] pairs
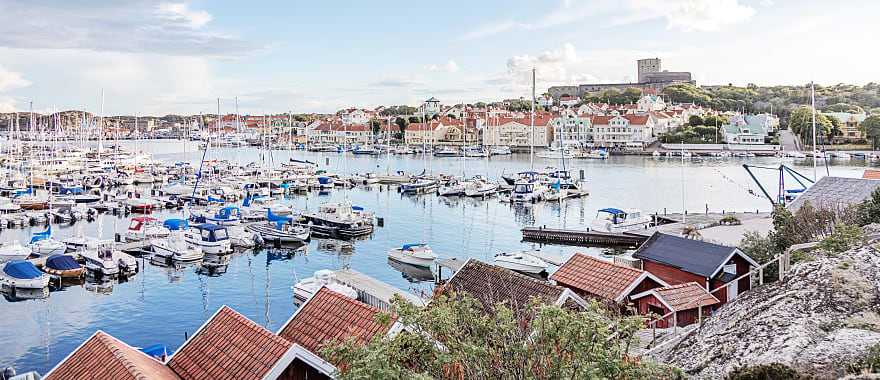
{"points": [[412, 273]]}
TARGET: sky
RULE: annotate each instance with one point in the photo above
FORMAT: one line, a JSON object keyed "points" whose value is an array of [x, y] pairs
{"points": [[179, 57]]}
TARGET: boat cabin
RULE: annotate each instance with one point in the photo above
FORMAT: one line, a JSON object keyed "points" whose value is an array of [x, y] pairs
{"points": [[211, 232], [141, 222]]}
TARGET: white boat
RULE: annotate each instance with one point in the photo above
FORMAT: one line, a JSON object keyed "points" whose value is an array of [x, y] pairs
{"points": [[555, 194], [556, 153], [479, 186], [842, 155], [795, 154], [105, 260], [43, 244], [475, 152], [280, 231], [404, 150], [500, 150], [22, 274], [613, 220], [210, 238], [305, 289], [656, 154], [13, 251], [174, 246], [451, 189], [599, 154], [520, 262], [397, 177], [339, 219], [418, 254], [145, 228], [528, 191], [241, 237]]}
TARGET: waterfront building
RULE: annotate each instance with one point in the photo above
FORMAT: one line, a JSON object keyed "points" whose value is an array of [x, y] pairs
{"points": [[611, 283], [516, 131], [338, 133], [681, 304], [420, 133], [623, 131], [571, 130], [430, 108], [679, 260], [743, 130], [850, 123]]}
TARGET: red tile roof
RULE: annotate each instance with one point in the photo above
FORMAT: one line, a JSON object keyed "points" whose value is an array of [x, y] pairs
{"points": [[871, 174], [541, 120], [685, 296], [491, 285], [229, 346], [598, 277], [329, 316], [105, 357]]}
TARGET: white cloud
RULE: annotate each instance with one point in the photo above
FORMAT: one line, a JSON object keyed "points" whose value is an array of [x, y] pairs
{"points": [[10, 80], [688, 15], [448, 67], [181, 12]]}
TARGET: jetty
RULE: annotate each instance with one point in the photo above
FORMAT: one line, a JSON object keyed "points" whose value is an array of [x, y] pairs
{"points": [[581, 237], [372, 291]]}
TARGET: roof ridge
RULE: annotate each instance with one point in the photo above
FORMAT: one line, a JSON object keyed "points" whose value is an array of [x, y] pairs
{"points": [[520, 275], [112, 344], [247, 321]]}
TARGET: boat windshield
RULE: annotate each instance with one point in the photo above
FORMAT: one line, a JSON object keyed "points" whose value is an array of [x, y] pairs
{"points": [[522, 188], [220, 234], [135, 225]]}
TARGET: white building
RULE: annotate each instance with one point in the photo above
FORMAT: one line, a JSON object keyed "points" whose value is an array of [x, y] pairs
{"points": [[650, 103], [354, 116], [623, 131], [430, 107], [517, 132], [571, 130]]}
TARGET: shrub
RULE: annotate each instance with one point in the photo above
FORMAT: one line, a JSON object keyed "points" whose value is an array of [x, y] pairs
{"points": [[730, 220], [774, 371], [870, 363], [843, 238]]}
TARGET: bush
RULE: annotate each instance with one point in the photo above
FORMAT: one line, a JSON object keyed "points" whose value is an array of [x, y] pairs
{"points": [[729, 220], [775, 371], [843, 238], [870, 363]]}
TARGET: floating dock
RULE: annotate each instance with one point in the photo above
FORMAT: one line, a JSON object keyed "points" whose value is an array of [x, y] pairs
{"points": [[581, 237], [372, 291]]}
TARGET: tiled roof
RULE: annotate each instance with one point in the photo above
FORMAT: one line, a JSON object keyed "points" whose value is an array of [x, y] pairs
{"points": [[490, 285], [229, 346], [685, 296], [329, 316], [835, 192], [105, 357], [541, 119], [871, 174], [597, 277]]}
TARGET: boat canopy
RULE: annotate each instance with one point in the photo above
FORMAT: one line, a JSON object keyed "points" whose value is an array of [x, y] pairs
{"points": [[176, 224], [22, 269], [614, 211], [18, 193], [357, 208], [209, 227], [76, 190], [409, 246], [158, 351], [61, 262], [216, 200], [277, 218], [325, 180]]}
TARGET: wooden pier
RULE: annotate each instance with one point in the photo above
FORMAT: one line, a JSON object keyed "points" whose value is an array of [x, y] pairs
{"points": [[581, 237], [372, 291]]}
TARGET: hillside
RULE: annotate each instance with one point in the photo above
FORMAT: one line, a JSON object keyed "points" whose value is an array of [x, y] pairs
{"points": [[823, 317]]}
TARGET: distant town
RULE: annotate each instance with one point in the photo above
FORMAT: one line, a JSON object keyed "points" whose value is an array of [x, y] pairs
{"points": [[620, 117]]}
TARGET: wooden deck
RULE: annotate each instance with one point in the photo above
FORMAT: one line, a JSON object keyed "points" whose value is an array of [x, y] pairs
{"points": [[580, 237], [372, 291]]}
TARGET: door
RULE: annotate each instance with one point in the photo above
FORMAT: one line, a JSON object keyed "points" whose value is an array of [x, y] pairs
{"points": [[732, 290]]}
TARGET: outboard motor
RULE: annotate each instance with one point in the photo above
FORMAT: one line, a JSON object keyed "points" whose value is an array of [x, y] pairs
{"points": [[7, 373]]}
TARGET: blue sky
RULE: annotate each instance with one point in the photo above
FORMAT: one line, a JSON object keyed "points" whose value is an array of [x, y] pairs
{"points": [[158, 57]]}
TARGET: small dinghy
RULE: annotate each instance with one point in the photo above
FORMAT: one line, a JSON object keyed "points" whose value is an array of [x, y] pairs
{"points": [[22, 274], [418, 254], [306, 288], [64, 266], [520, 262]]}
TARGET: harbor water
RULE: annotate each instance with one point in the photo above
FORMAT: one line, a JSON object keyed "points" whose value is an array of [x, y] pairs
{"points": [[165, 304]]}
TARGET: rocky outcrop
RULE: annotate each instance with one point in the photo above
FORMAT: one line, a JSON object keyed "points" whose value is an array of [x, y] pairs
{"points": [[824, 316]]}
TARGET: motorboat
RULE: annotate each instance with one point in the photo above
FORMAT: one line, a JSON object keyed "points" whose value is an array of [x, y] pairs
{"points": [[13, 251], [418, 186], [145, 228], [365, 150], [528, 191], [22, 274], [64, 266], [226, 216], [404, 150], [447, 152], [339, 220], [600, 154], [417, 254], [451, 189], [210, 238], [842, 155], [795, 154], [656, 154], [521, 262], [43, 244], [240, 236], [613, 220], [500, 150], [307, 287], [107, 261], [256, 208], [556, 153], [475, 151], [480, 186], [396, 177], [174, 246], [141, 205], [280, 231]]}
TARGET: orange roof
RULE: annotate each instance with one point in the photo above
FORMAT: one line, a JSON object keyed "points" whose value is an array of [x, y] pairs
{"points": [[598, 277], [685, 296], [329, 316], [229, 346], [105, 357], [871, 174], [541, 119]]}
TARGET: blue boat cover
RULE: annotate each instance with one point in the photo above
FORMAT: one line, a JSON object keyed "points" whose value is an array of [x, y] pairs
{"points": [[71, 190], [209, 227], [615, 211], [324, 180], [158, 351], [277, 218], [61, 262], [41, 235], [412, 245], [22, 269], [176, 224], [27, 191], [212, 199], [357, 208]]}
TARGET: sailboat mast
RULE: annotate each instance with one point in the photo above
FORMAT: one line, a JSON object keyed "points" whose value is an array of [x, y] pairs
{"points": [[813, 108], [101, 128], [532, 123]]}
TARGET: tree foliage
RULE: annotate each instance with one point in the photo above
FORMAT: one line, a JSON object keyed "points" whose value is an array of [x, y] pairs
{"points": [[871, 126], [402, 123], [612, 96], [801, 123], [398, 110], [455, 338], [375, 126]]}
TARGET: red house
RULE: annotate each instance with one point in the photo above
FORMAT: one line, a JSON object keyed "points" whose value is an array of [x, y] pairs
{"points": [[678, 260], [690, 303], [609, 282]]}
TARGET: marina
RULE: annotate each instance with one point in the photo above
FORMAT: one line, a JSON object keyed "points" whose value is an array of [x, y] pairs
{"points": [[259, 281]]}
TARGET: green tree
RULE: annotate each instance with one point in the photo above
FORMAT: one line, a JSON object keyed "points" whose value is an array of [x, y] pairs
{"points": [[695, 120], [455, 338], [375, 126], [801, 123], [871, 126], [402, 123], [843, 107]]}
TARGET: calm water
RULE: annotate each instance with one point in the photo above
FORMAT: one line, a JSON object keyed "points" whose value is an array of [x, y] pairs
{"points": [[161, 305]]}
